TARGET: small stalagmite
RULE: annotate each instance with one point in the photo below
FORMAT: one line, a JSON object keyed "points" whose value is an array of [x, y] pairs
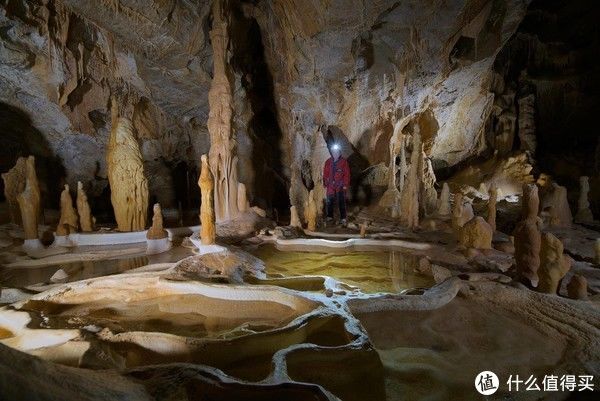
{"points": [[207, 207], [444, 208], [584, 214], [294, 218], [560, 213], [476, 234], [86, 220], [553, 264], [528, 237], [577, 287], [462, 212], [68, 216], [491, 206], [128, 184], [311, 212], [14, 184], [29, 201], [157, 231]]}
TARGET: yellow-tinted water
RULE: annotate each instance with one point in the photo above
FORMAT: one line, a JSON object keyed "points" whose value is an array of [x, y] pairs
{"points": [[371, 272]]}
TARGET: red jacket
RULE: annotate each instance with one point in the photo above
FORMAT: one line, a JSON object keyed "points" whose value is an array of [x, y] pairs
{"points": [[338, 180]]}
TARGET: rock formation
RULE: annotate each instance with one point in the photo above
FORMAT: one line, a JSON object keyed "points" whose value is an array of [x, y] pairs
{"points": [[527, 123], [311, 212], [86, 220], [491, 206], [409, 205], [14, 184], [222, 155], [584, 214], [156, 231], [444, 207], [553, 264], [560, 212], [476, 234], [207, 208], [462, 212], [29, 201], [528, 237], [294, 218], [242, 199], [68, 222], [128, 184], [577, 287], [597, 251]]}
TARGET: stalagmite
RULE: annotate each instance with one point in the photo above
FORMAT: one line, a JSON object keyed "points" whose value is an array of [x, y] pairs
{"points": [[128, 184], [560, 212], [294, 218], [528, 237], [14, 184], [156, 231], [207, 209], [577, 287], [410, 193], [223, 161], [311, 212], [68, 222], [86, 220], [444, 208], [392, 197], [553, 264], [527, 123], [242, 200], [491, 206], [461, 212], [29, 201], [476, 234], [584, 214]]}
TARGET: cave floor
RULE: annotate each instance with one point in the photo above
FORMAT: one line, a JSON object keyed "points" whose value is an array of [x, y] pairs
{"points": [[362, 318]]}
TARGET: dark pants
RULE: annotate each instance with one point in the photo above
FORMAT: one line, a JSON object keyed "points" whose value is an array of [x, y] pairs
{"points": [[340, 198]]}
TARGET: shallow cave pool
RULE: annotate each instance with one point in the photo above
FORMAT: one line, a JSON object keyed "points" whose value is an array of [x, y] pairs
{"points": [[384, 271]]}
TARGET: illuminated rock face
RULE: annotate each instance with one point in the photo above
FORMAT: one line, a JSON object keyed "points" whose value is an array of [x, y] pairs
{"points": [[128, 183]]}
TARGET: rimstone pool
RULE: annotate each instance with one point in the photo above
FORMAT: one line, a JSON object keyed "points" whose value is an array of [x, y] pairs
{"points": [[370, 271]]}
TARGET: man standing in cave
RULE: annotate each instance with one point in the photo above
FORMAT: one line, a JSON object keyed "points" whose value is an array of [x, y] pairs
{"points": [[336, 178]]}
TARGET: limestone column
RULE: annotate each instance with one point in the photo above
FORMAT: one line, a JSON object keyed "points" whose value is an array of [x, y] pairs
{"points": [[14, 184], [491, 206], [29, 201], [128, 183], [86, 220], [584, 214], [68, 221], [222, 155], [207, 208], [528, 237]]}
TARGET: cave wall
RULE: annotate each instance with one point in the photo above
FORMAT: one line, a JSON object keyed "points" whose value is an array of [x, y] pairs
{"points": [[300, 67]]}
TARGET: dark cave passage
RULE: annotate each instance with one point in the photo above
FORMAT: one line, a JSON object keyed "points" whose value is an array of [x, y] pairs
{"points": [[269, 186]]}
